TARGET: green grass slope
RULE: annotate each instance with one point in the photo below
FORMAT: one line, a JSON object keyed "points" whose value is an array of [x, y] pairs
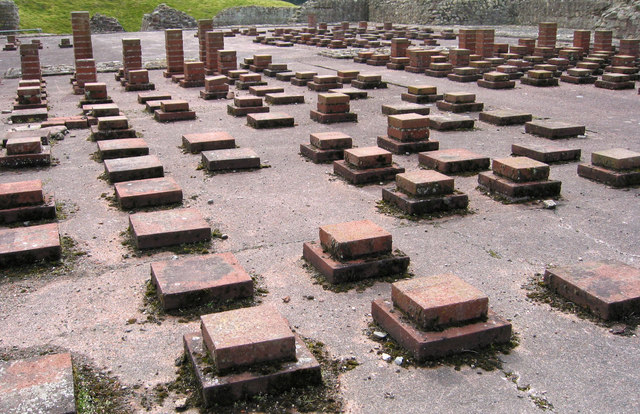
{"points": [[54, 16]]}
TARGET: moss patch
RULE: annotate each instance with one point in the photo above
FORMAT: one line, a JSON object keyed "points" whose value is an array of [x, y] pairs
{"points": [[96, 392], [537, 291], [487, 358]]}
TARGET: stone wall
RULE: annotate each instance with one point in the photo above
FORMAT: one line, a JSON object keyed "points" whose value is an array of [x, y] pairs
{"points": [[165, 17], [621, 16], [250, 15], [333, 11], [100, 23], [9, 17]]}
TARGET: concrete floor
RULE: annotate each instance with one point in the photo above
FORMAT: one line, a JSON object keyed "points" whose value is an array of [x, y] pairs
{"points": [[572, 363]]}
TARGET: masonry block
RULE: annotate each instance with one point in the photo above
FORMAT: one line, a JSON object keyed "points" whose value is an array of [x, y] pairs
{"points": [[168, 228], [148, 192]]}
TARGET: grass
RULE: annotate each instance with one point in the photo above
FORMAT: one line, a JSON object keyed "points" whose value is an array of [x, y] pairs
{"points": [[55, 17]]}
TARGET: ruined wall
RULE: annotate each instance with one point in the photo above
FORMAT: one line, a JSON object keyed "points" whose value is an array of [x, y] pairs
{"points": [[254, 15], [165, 17], [621, 16], [9, 18], [333, 11]]}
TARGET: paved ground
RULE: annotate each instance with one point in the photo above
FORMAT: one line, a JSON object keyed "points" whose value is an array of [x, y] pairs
{"points": [[572, 363]]}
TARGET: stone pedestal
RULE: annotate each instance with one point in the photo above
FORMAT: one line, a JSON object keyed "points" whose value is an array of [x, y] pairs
{"points": [[354, 251], [435, 316], [617, 167], [407, 133], [519, 179], [326, 146], [366, 165], [333, 108], [231, 347]]}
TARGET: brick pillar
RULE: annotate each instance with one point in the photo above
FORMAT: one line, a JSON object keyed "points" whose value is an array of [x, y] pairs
{"points": [[227, 61], [311, 20], [459, 57], [529, 44], [484, 42], [344, 26], [131, 56], [399, 46], [467, 39], [387, 26], [214, 41], [175, 52], [85, 73], [204, 26], [603, 40], [82, 47], [363, 25], [582, 39], [547, 33], [322, 26], [30, 61], [629, 47]]}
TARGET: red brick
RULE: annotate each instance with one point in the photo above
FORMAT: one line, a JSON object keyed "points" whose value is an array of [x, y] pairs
{"points": [[133, 168], [459, 97], [521, 169], [422, 183], [122, 148], [330, 140], [175, 105], [20, 193], [27, 244], [437, 301], [408, 121], [199, 280], [168, 227], [332, 98], [610, 289], [148, 192], [616, 159], [355, 239], [248, 336], [207, 141], [26, 145]]}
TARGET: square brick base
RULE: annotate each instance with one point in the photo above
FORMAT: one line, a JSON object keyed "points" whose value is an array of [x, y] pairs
{"points": [[610, 289], [198, 280], [554, 129], [459, 107], [365, 176], [28, 244], [353, 270], [425, 345], [518, 191], [319, 156], [149, 192], [546, 153], [417, 206], [168, 228], [333, 118], [398, 147], [46, 210], [503, 117], [352, 93], [420, 99], [226, 389], [43, 384], [609, 177]]}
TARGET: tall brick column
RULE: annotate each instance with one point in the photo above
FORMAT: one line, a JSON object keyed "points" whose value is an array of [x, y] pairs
{"points": [[547, 33], [311, 20], [629, 47], [484, 42], [82, 47], [175, 52], [204, 26], [30, 61], [85, 73], [603, 41], [459, 57], [399, 46], [214, 41], [582, 39], [131, 56], [227, 61], [467, 39]]}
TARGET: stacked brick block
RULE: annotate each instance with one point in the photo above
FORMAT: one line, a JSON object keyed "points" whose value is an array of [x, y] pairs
{"points": [[204, 26], [407, 133], [82, 47], [30, 61], [214, 41], [174, 51], [603, 41], [547, 34], [227, 61], [332, 108]]}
